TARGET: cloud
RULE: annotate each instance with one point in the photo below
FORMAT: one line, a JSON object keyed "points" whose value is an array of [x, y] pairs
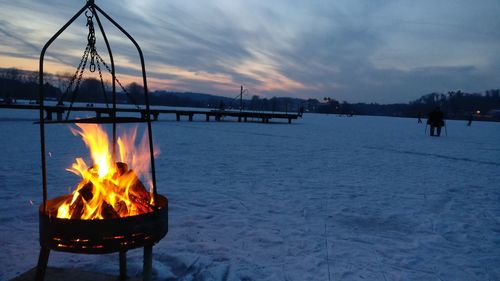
{"points": [[373, 51]]}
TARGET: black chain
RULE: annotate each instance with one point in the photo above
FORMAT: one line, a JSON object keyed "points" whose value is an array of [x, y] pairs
{"points": [[102, 83], [91, 40], [77, 87], [118, 81], [89, 50], [72, 81], [94, 64]]}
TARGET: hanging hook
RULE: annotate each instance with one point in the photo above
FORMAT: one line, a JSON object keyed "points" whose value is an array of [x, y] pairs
{"points": [[91, 15], [92, 65]]}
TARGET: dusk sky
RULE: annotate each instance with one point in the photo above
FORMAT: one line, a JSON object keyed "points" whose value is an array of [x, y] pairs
{"points": [[358, 51]]}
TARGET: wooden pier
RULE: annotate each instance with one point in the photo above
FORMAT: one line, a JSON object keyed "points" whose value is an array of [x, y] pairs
{"points": [[56, 113]]}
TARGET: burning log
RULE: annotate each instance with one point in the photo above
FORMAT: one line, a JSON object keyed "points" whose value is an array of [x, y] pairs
{"points": [[130, 179], [107, 189], [121, 208], [136, 187], [119, 196], [86, 191], [141, 205], [108, 212], [77, 208], [138, 193], [122, 168]]}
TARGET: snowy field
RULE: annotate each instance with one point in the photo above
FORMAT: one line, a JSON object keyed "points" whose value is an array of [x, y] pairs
{"points": [[325, 198]]}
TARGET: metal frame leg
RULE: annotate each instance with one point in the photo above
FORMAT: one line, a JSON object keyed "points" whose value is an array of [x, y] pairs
{"points": [[43, 259], [148, 263], [123, 265]]}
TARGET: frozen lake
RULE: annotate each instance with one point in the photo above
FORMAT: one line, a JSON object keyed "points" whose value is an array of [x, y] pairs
{"points": [[325, 198]]}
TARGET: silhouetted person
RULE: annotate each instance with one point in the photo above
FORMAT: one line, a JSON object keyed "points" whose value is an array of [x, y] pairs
{"points": [[436, 121], [469, 120], [419, 116]]}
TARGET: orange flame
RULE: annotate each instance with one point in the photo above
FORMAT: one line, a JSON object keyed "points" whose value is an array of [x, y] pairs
{"points": [[109, 189]]}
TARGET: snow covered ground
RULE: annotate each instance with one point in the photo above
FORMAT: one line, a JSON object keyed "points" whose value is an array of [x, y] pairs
{"points": [[325, 198]]}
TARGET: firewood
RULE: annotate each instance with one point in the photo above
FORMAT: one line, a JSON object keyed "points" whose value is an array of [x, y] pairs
{"points": [[122, 168], [141, 205], [86, 191], [137, 188], [77, 208], [111, 187], [121, 208], [108, 212], [137, 193]]}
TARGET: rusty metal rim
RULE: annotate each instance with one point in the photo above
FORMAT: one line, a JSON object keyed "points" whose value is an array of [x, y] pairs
{"points": [[103, 236]]}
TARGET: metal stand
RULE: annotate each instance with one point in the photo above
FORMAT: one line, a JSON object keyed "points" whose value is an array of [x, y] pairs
{"points": [[123, 265], [43, 259], [147, 270], [95, 10], [148, 263]]}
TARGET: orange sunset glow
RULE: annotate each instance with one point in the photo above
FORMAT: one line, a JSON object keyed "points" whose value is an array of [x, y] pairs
{"points": [[276, 50]]}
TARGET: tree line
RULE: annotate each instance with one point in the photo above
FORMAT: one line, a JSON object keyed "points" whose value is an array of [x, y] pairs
{"points": [[455, 105], [18, 84]]}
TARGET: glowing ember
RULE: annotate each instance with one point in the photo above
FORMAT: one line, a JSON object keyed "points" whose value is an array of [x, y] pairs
{"points": [[109, 189]]}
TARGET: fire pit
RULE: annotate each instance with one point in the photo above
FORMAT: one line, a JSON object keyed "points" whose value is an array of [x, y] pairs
{"points": [[111, 209], [102, 236]]}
